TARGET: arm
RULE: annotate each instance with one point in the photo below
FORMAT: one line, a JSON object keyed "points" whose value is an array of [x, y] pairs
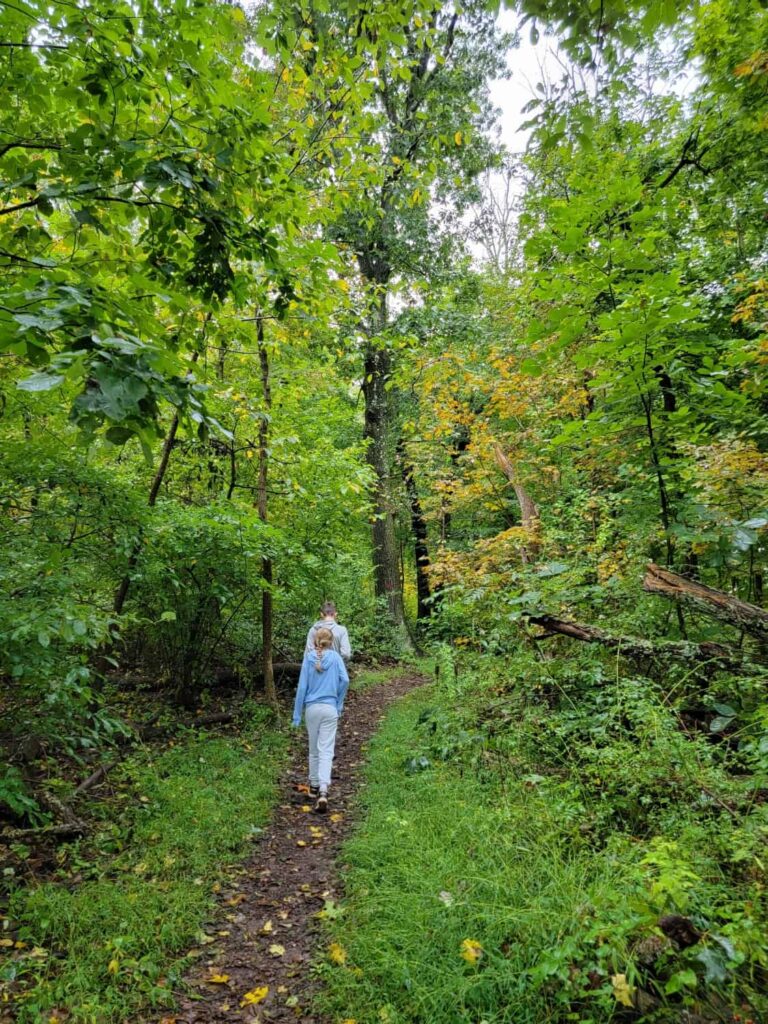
{"points": [[310, 644], [346, 650], [301, 692], [343, 684]]}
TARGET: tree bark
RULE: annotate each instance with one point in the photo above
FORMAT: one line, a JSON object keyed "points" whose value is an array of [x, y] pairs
{"points": [[420, 537], [716, 603], [267, 668], [378, 364], [716, 655], [529, 512]]}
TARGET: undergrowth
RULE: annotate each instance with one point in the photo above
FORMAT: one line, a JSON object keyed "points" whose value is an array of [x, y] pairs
{"points": [[109, 936], [553, 844]]}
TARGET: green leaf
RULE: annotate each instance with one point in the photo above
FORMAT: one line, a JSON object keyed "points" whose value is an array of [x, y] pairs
{"points": [[41, 382]]}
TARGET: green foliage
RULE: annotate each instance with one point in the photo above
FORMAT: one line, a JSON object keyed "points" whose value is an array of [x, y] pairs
{"points": [[553, 815], [115, 944]]}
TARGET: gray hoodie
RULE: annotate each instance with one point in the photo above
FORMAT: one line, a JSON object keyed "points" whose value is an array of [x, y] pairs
{"points": [[340, 637]]}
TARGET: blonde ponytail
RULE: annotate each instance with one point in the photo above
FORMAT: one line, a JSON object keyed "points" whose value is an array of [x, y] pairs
{"points": [[323, 642]]}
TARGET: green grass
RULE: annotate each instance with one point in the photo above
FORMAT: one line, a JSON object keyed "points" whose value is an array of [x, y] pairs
{"points": [[441, 858], [115, 943]]}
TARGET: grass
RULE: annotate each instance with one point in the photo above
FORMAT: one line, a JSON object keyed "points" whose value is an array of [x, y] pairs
{"points": [[440, 863], [115, 943]]}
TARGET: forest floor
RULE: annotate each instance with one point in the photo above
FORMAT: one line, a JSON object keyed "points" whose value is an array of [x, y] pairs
{"points": [[267, 932]]}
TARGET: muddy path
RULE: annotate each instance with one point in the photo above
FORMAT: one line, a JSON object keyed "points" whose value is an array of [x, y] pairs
{"points": [[265, 934]]}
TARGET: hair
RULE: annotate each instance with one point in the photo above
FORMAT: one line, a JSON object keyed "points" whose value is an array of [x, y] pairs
{"points": [[323, 642], [329, 608]]}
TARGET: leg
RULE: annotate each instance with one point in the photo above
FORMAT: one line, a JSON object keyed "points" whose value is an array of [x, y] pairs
{"points": [[326, 741], [313, 723]]}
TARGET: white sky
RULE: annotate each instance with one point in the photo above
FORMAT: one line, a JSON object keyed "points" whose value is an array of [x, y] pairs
{"points": [[528, 65]]}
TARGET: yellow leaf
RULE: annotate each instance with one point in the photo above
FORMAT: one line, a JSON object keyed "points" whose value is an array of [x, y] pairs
{"points": [[471, 950], [337, 953], [301, 842], [306, 808], [337, 817], [249, 454], [218, 979], [113, 966], [458, 138], [622, 991], [6, 942], [266, 928], [276, 949], [255, 996]]}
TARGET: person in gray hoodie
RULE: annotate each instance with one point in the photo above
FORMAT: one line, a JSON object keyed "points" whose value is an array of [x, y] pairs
{"points": [[339, 633], [320, 696]]}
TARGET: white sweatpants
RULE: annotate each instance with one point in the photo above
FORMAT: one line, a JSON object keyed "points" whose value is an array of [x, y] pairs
{"points": [[321, 720]]}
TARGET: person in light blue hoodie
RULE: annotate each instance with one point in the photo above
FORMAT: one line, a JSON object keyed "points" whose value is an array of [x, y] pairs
{"points": [[320, 696]]}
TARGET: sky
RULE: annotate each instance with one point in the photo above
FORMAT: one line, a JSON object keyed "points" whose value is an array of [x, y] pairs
{"points": [[528, 64]]}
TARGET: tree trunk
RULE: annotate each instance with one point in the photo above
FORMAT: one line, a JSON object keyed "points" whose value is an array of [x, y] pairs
{"points": [[716, 603], [270, 691], [716, 655], [376, 432], [420, 537], [529, 512]]}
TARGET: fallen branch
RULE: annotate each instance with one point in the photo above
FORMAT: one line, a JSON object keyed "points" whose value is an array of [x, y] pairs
{"points": [[15, 835], [725, 607], [634, 647], [95, 777]]}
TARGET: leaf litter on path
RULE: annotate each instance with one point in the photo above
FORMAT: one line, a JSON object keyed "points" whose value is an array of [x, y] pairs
{"points": [[282, 894]]}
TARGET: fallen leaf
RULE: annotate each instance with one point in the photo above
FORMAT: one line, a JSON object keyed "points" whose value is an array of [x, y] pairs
{"points": [[266, 928], [113, 966], [292, 1001], [235, 900], [337, 953], [276, 949], [301, 842], [301, 788], [218, 979], [306, 808], [6, 942], [622, 992], [446, 898], [337, 816], [471, 950], [283, 915], [255, 996], [282, 989]]}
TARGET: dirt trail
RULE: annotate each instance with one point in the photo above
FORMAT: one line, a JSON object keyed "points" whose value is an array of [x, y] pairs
{"points": [[266, 929]]}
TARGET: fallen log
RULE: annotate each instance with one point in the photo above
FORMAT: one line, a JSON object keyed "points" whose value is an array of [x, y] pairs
{"points": [[716, 603], [62, 831], [708, 652]]}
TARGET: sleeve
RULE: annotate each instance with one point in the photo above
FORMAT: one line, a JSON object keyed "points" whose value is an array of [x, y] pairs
{"points": [[310, 644], [344, 648], [301, 693], [341, 692]]}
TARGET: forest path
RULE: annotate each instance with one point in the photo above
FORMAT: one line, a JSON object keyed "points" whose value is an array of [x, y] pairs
{"points": [[265, 934]]}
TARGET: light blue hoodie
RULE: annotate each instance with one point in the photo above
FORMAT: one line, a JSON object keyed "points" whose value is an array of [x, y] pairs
{"points": [[326, 686]]}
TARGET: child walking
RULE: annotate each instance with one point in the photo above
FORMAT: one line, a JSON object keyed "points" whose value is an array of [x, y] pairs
{"points": [[320, 695]]}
